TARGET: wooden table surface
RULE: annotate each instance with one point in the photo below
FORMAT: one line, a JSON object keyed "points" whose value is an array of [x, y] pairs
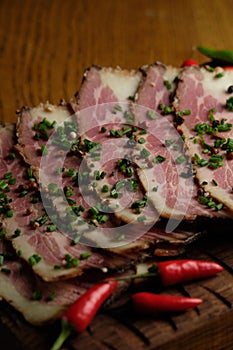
{"points": [[46, 45]]}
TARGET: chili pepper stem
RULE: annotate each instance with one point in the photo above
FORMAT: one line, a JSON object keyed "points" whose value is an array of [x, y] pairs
{"points": [[177, 271], [66, 330], [129, 277]]}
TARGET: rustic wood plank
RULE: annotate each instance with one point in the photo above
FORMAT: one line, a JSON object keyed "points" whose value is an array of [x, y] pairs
{"points": [[46, 45]]}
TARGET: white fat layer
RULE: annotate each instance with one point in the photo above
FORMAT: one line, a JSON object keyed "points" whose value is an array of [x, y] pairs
{"points": [[131, 247], [142, 268], [170, 74], [217, 86], [51, 112], [43, 268], [123, 83], [35, 312]]}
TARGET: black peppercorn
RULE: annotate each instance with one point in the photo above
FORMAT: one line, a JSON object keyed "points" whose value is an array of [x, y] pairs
{"points": [[131, 143]]}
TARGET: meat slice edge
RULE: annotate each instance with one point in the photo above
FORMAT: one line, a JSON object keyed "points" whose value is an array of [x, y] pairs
{"points": [[176, 194], [206, 96]]}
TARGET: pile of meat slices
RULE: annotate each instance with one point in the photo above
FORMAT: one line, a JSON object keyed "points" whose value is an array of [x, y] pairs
{"points": [[131, 170]]}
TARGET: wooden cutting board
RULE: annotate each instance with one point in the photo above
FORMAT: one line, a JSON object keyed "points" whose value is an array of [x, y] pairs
{"points": [[208, 327]]}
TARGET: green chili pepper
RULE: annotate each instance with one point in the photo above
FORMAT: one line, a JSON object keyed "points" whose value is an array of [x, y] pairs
{"points": [[220, 55]]}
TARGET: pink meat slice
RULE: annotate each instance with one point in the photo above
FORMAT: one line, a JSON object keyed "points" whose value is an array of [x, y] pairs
{"points": [[107, 85], [103, 88], [103, 106], [69, 162], [124, 84], [28, 145], [59, 167], [39, 302], [50, 252], [206, 96], [169, 184]]}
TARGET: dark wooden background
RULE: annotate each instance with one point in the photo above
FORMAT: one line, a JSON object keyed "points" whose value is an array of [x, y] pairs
{"points": [[45, 45]]}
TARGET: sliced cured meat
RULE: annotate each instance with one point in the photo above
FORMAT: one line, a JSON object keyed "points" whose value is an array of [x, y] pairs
{"points": [[62, 169], [158, 241], [38, 301], [105, 125], [102, 85], [114, 177], [45, 135], [35, 126], [43, 131], [208, 131], [51, 253], [167, 170], [101, 92]]}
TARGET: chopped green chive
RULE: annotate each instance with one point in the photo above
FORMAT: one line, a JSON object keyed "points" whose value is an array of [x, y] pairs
{"points": [[159, 159], [23, 193], [219, 75], [70, 172], [5, 270], [52, 296], [34, 259], [165, 109], [169, 142], [71, 262], [103, 129], [180, 159], [144, 153], [16, 233], [141, 218], [9, 213], [105, 188], [51, 228], [141, 140], [11, 155], [85, 255], [44, 150], [167, 84], [37, 295], [151, 114], [1, 259]]}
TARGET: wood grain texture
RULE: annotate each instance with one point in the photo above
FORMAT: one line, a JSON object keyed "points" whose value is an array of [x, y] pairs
{"points": [[208, 327], [45, 45]]}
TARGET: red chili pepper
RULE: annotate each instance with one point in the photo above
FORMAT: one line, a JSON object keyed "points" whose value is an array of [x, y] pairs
{"points": [[228, 68], [189, 62], [149, 303], [80, 314], [177, 271]]}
